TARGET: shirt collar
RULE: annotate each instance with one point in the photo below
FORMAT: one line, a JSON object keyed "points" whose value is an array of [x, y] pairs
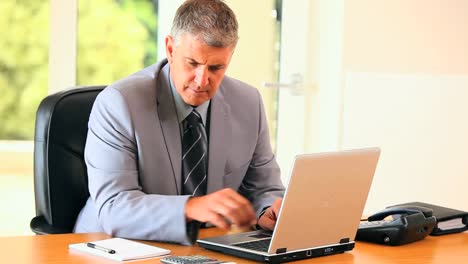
{"points": [[183, 109]]}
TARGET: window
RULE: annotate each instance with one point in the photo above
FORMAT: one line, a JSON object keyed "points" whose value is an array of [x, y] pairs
{"points": [[24, 47], [115, 39]]}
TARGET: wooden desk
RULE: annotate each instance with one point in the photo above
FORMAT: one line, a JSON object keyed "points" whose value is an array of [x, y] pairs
{"points": [[54, 249]]}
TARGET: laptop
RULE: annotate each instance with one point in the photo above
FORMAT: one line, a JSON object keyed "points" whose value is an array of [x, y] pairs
{"points": [[320, 212]]}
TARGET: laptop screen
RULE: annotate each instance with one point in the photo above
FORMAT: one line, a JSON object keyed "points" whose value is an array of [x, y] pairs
{"points": [[324, 199]]}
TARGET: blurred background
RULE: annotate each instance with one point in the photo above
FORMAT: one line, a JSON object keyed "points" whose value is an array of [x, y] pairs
{"points": [[115, 38]]}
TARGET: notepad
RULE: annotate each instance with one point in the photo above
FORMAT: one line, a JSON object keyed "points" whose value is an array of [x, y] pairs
{"points": [[124, 249]]}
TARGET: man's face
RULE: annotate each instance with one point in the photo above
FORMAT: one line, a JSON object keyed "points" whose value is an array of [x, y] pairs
{"points": [[196, 68]]}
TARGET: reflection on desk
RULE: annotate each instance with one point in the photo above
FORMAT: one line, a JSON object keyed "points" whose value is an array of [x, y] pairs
{"points": [[54, 249]]}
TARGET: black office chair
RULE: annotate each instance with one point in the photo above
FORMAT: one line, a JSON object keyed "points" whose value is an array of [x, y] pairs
{"points": [[60, 176]]}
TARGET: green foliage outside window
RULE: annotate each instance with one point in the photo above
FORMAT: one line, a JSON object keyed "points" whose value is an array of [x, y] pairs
{"points": [[115, 38], [24, 41]]}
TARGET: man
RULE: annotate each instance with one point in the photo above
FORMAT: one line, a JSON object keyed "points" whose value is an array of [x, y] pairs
{"points": [[179, 143]]}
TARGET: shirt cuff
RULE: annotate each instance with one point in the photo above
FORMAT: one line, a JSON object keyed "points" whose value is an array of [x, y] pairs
{"points": [[257, 227]]}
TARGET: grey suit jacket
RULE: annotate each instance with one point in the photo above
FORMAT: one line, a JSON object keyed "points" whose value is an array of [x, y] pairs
{"points": [[133, 156]]}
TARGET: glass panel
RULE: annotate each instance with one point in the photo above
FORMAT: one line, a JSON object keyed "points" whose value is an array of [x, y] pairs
{"points": [[115, 39], [23, 65], [24, 47], [256, 59]]}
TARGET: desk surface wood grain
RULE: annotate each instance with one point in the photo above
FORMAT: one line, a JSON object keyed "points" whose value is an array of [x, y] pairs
{"points": [[54, 249]]}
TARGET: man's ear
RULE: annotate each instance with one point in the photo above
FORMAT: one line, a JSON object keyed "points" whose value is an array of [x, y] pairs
{"points": [[169, 47]]}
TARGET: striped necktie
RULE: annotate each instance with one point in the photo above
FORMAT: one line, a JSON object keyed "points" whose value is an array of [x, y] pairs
{"points": [[194, 155]]}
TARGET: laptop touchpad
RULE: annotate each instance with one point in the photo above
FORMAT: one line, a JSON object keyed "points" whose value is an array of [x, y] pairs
{"points": [[262, 235]]}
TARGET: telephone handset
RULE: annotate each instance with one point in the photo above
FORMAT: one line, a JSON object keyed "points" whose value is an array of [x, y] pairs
{"points": [[408, 224]]}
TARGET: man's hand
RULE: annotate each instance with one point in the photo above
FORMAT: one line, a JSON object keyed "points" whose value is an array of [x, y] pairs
{"points": [[221, 208], [268, 220]]}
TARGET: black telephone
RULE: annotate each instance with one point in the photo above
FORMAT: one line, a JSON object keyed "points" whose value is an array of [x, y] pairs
{"points": [[408, 224]]}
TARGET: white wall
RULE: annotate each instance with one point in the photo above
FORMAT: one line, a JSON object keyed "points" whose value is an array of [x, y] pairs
{"points": [[166, 12], [403, 85], [63, 44]]}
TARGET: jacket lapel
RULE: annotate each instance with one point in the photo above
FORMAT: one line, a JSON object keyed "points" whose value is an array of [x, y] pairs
{"points": [[170, 125], [220, 136]]}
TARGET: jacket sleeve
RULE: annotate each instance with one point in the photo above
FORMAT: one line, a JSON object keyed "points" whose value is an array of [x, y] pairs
{"points": [[111, 156], [262, 183]]}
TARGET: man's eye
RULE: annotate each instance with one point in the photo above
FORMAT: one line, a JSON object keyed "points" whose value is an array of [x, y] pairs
{"points": [[215, 68], [193, 64]]}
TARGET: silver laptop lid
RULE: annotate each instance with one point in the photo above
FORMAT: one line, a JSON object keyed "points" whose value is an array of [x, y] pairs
{"points": [[329, 190]]}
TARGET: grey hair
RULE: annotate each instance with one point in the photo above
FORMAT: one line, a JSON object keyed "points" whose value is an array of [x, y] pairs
{"points": [[212, 21]]}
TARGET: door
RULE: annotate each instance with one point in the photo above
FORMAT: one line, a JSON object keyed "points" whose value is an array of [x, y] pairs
{"points": [[273, 54]]}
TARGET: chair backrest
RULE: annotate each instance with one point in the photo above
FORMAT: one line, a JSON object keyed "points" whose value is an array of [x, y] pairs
{"points": [[60, 177]]}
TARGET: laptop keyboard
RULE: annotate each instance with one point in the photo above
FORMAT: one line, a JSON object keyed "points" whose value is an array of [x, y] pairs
{"points": [[258, 245]]}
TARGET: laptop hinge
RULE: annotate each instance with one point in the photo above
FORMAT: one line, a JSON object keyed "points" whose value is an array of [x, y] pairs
{"points": [[281, 250], [344, 240]]}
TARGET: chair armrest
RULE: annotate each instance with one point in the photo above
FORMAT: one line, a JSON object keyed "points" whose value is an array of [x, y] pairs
{"points": [[40, 226]]}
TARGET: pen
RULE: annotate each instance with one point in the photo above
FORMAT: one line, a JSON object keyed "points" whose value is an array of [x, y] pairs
{"points": [[107, 250]]}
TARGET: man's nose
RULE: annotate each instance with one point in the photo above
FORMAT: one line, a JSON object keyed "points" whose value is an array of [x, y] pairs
{"points": [[201, 76]]}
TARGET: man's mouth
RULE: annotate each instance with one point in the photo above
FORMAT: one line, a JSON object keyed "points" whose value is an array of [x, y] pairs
{"points": [[196, 90]]}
